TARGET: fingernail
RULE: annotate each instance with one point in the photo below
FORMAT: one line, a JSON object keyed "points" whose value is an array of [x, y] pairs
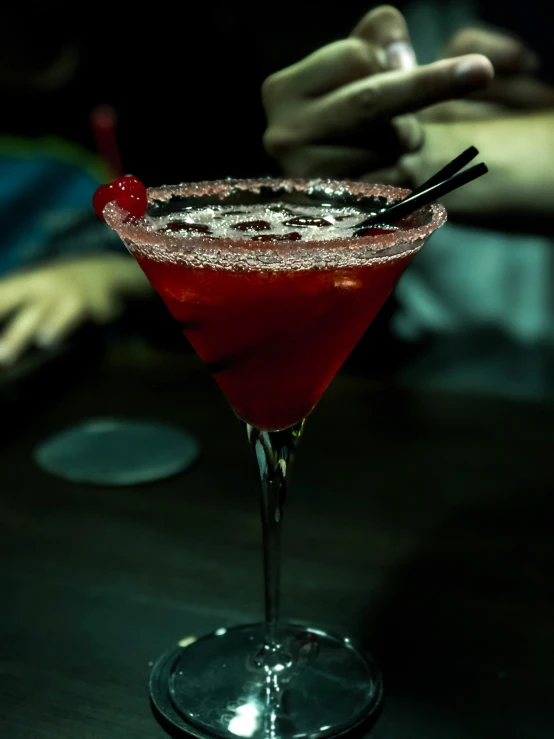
{"points": [[400, 55], [470, 74]]}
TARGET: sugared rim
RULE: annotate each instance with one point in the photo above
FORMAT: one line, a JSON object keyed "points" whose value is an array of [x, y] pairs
{"points": [[143, 240]]}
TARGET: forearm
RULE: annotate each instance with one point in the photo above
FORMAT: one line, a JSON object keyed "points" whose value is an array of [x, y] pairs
{"points": [[518, 191]]}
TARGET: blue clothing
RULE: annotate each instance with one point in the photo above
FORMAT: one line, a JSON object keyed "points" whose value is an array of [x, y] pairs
{"points": [[46, 189]]}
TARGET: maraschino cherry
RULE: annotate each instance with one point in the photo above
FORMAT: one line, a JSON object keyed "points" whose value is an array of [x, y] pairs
{"points": [[128, 192]]}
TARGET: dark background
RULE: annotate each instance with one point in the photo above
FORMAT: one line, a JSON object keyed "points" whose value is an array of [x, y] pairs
{"points": [[185, 81]]}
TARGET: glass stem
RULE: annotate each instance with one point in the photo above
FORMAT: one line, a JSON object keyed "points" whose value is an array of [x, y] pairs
{"points": [[274, 452]]}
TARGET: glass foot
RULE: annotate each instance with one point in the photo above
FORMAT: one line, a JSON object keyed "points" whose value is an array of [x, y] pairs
{"points": [[228, 684]]}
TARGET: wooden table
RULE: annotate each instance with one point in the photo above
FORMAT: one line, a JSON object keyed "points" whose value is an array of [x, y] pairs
{"points": [[420, 522]]}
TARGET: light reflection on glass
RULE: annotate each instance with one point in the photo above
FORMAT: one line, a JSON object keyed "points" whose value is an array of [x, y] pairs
{"points": [[347, 283], [245, 721]]}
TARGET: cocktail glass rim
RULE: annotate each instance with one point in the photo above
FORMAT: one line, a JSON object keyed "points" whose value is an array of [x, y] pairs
{"points": [[196, 250]]}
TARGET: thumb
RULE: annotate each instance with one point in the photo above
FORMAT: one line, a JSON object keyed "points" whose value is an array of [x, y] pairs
{"points": [[385, 28]]}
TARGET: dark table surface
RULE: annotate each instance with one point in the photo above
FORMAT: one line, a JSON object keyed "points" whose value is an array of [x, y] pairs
{"points": [[419, 522]]}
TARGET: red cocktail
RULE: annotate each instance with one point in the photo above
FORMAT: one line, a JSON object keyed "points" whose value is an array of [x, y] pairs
{"points": [[273, 340], [273, 285]]}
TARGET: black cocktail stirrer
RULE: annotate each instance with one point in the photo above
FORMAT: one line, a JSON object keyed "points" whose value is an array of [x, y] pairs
{"points": [[448, 170], [434, 188]]}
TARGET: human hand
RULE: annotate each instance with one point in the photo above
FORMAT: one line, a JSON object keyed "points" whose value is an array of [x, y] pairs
{"points": [[515, 88], [45, 304], [341, 111]]}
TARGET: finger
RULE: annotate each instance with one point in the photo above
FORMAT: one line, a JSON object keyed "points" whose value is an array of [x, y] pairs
{"points": [[329, 161], [361, 105], [108, 311], [520, 92], [352, 161], [400, 135], [508, 54], [64, 318], [104, 305], [394, 175], [20, 332], [326, 69], [462, 110], [12, 295], [385, 28]]}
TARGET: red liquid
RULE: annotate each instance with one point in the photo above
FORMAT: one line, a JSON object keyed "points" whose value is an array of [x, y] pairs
{"points": [[274, 340]]}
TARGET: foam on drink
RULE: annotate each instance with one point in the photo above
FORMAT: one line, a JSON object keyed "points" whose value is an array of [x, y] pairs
{"points": [[265, 222]]}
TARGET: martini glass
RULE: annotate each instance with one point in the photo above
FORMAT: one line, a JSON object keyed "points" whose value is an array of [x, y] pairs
{"points": [[273, 309]]}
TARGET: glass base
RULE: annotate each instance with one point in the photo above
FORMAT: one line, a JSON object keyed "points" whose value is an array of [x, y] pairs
{"points": [[228, 684]]}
